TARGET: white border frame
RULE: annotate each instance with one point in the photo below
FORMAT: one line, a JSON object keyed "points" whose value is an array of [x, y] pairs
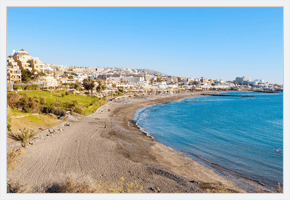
{"points": [[143, 3]]}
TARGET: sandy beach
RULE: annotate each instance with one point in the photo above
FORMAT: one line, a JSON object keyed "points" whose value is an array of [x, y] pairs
{"points": [[117, 150]]}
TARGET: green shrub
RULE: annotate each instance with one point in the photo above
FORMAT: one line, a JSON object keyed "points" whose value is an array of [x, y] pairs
{"points": [[9, 127], [17, 87], [60, 112], [27, 104], [53, 110], [52, 116], [78, 110], [32, 87], [42, 100], [56, 103], [12, 99], [75, 103], [24, 136], [72, 105]]}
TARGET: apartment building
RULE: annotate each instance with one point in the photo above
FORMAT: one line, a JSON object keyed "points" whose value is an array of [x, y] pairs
{"points": [[13, 71], [242, 80], [26, 61], [203, 80], [13, 74], [210, 81], [23, 59], [37, 64]]}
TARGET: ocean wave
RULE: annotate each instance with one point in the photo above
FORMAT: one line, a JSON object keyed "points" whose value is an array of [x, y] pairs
{"points": [[144, 131], [276, 122], [139, 112]]}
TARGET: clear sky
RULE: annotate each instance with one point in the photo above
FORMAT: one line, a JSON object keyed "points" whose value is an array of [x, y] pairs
{"points": [[190, 42]]}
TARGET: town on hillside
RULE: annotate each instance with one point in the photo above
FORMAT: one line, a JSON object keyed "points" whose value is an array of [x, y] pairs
{"points": [[24, 70]]}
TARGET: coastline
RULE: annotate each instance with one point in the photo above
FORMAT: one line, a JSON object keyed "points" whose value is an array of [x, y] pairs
{"points": [[166, 157], [117, 150]]}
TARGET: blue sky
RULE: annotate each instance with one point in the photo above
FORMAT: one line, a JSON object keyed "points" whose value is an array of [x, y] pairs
{"points": [[190, 42]]}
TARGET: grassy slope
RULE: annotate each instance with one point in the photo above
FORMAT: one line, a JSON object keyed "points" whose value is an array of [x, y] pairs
{"points": [[19, 119], [32, 122], [87, 104]]}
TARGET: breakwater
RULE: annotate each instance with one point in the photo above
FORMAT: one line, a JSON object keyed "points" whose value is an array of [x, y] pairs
{"points": [[227, 95]]}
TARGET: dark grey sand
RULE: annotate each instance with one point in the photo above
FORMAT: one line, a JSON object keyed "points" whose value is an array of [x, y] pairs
{"points": [[120, 150]]}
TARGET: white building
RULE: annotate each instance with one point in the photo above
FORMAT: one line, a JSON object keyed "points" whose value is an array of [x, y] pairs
{"points": [[224, 86], [47, 69], [130, 79], [218, 81], [80, 77], [49, 81], [242, 80]]}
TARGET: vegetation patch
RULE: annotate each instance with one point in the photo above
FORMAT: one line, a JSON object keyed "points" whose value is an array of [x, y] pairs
{"points": [[12, 158], [33, 118], [32, 122], [80, 184], [39, 101], [220, 189], [24, 136], [17, 113]]}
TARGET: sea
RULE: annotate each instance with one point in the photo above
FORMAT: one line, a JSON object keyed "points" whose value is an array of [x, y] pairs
{"points": [[240, 138]]}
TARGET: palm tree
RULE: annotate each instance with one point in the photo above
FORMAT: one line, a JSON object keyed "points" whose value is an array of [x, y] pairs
{"points": [[24, 136]]}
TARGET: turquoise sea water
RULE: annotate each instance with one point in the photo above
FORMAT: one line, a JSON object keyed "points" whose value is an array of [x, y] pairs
{"points": [[240, 138]]}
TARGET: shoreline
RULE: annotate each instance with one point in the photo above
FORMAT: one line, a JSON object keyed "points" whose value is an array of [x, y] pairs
{"points": [[247, 184], [210, 182], [117, 150]]}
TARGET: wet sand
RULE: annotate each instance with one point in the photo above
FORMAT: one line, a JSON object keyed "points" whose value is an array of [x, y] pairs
{"points": [[120, 149]]}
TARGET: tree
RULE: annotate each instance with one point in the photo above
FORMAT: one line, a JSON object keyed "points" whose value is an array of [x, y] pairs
{"points": [[64, 85], [70, 77], [77, 85], [88, 84], [26, 75], [101, 86], [41, 74]]}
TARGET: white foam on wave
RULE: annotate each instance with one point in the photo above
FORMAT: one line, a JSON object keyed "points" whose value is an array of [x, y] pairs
{"points": [[276, 122], [143, 130], [139, 115], [139, 111]]}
